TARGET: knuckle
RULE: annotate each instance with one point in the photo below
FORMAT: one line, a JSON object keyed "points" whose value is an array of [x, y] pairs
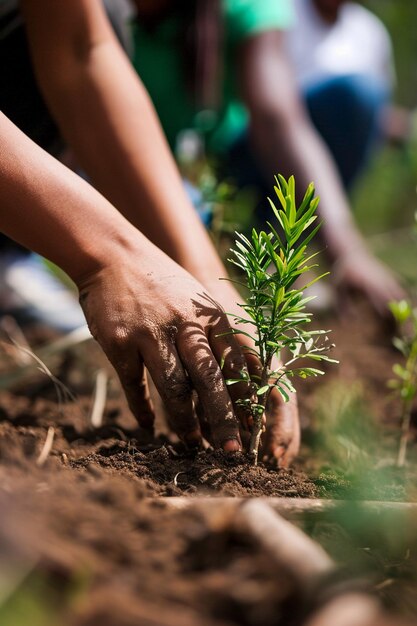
{"points": [[118, 342], [149, 333], [210, 376]]}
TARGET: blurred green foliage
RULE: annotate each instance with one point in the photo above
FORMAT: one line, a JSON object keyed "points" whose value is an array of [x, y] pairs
{"points": [[352, 454], [400, 18]]}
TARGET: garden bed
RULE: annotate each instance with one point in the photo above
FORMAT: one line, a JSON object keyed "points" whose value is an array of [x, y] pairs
{"points": [[89, 537]]}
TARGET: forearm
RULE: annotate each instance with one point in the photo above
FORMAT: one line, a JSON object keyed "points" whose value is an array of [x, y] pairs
{"points": [[295, 148], [285, 139], [106, 116], [47, 208]]}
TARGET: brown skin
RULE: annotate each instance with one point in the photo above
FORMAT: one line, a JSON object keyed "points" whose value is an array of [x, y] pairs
{"points": [[141, 306], [138, 314], [278, 119]]}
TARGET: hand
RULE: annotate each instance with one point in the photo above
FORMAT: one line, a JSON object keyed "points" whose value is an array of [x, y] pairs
{"points": [[360, 271], [147, 311], [281, 441], [282, 437]]}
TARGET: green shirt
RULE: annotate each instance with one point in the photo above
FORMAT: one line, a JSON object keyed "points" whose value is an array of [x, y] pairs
{"points": [[158, 61]]}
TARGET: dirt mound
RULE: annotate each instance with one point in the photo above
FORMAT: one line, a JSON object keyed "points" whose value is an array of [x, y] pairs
{"points": [[207, 473]]}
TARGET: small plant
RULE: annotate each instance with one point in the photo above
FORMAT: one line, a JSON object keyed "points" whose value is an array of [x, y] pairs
{"points": [[405, 381], [276, 307]]}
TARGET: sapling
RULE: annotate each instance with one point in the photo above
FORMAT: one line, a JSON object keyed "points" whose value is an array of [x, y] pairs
{"points": [[275, 312], [405, 381]]}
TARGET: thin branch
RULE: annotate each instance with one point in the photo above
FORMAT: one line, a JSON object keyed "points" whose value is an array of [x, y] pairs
{"points": [[47, 447], [100, 396], [290, 549]]}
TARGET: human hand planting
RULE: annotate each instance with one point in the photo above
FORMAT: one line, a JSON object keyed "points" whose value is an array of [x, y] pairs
{"points": [[281, 440], [275, 316], [149, 312]]}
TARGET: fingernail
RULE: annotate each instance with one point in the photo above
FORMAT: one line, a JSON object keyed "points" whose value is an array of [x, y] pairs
{"points": [[232, 445]]}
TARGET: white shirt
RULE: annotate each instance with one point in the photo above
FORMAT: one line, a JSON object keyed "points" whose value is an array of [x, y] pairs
{"points": [[357, 43]]}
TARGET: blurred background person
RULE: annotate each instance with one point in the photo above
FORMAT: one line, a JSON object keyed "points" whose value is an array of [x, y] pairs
{"points": [[221, 67], [342, 58]]}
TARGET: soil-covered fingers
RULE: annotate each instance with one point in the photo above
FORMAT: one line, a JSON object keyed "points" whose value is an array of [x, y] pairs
{"points": [[229, 353], [175, 388], [282, 438], [208, 381], [132, 375]]}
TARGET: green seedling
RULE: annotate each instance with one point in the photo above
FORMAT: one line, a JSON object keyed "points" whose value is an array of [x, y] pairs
{"points": [[275, 313], [405, 381]]}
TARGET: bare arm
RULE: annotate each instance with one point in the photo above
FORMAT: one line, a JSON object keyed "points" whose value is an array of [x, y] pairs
{"points": [[50, 210], [140, 305], [106, 116], [283, 134]]}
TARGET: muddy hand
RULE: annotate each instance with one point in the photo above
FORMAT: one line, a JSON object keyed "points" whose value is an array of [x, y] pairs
{"points": [[150, 312]]}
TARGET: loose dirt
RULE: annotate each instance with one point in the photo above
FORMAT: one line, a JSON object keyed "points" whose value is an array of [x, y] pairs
{"points": [[81, 544]]}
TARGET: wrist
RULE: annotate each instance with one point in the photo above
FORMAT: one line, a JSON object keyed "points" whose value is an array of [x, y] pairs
{"points": [[106, 250]]}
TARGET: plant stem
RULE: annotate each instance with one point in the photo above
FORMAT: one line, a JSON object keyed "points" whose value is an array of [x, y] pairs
{"points": [[258, 419], [411, 368], [255, 438]]}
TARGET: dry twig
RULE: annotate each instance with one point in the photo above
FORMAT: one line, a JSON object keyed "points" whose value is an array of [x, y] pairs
{"points": [[17, 337], [291, 549], [47, 447], [17, 375], [100, 396]]}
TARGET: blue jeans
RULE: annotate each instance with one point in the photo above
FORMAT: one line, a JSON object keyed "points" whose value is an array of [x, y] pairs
{"points": [[346, 111]]}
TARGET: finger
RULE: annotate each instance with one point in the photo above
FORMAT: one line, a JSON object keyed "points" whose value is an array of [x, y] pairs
{"points": [[132, 375], [282, 440], [228, 352], [207, 379], [175, 389]]}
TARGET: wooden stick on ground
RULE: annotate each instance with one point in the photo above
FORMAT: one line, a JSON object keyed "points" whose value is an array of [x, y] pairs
{"points": [[47, 447], [294, 508], [100, 396], [351, 609], [288, 546], [298, 556]]}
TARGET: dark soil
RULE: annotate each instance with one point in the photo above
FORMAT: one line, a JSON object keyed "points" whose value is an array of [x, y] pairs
{"points": [[83, 546]]}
